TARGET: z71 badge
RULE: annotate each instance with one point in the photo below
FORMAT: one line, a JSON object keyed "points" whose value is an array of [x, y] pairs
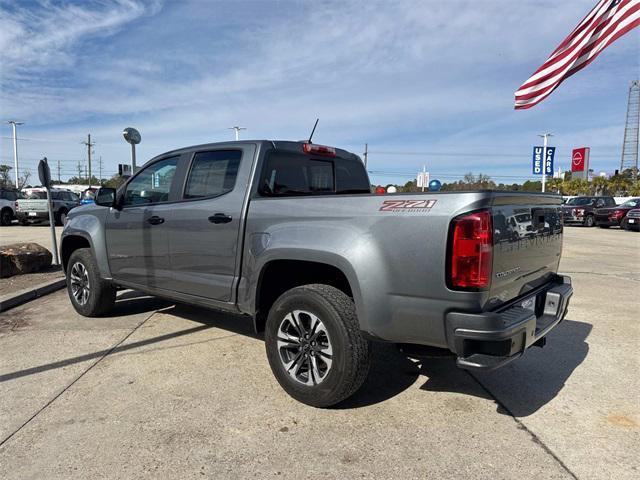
{"points": [[407, 205]]}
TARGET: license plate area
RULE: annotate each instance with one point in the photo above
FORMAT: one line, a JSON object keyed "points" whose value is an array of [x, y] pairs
{"points": [[32, 214]]}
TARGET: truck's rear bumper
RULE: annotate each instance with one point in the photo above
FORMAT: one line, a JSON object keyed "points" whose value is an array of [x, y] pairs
{"points": [[484, 341], [39, 216]]}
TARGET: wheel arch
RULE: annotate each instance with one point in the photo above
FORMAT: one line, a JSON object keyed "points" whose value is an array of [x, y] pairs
{"points": [[279, 275], [71, 243]]}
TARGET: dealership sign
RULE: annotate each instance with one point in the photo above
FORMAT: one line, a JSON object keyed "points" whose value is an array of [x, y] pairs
{"points": [[580, 162], [579, 158], [542, 160]]}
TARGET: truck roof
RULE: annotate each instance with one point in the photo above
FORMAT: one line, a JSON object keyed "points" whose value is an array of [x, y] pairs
{"points": [[284, 145]]}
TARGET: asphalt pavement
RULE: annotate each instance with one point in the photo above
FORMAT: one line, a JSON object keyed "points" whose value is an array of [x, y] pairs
{"points": [[171, 391]]}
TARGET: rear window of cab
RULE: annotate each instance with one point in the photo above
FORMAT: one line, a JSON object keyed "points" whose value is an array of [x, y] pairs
{"points": [[291, 174]]}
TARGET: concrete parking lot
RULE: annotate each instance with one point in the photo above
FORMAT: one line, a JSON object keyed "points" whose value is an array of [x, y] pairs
{"points": [[171, 391], [38, 233]]}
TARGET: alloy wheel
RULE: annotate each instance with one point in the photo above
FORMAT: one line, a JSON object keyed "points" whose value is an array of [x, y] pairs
{"points": [[80, 286], [304, 347]]}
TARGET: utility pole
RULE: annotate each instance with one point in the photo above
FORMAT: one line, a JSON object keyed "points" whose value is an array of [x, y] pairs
{"points": [[424, 176], [237, 130], [366, 153], [59, 171], [79, 170], [545, 137], [89, 145], [100, 169], [14, 124]]}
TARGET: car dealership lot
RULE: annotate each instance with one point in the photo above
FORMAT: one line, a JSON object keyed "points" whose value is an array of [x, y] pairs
{"points": [[174, 391]]}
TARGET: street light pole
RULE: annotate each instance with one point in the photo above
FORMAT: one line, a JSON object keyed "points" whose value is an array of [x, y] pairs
{"points": [[545, 137], [13, 124]]}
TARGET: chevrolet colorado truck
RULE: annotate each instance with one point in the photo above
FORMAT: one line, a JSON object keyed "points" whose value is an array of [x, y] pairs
{"points": [[290, 235]]}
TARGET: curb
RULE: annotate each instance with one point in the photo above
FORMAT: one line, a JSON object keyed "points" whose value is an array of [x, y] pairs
{"points": [[23, 296]]}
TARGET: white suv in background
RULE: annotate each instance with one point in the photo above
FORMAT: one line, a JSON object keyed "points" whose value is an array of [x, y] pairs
{"points": [[8, 205]]}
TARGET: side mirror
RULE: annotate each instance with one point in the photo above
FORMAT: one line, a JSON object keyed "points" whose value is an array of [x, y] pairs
{"points": [[106, 197]]}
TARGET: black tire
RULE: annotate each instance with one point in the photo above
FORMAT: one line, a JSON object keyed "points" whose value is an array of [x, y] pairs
{"points": [[589, 221], [101, 294], [60, 217], [6, 216], [350, 356], [604, 226], [24, 222]]}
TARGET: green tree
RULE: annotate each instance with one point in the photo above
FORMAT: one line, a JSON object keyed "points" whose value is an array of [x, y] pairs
{"points": [[114, 182]]}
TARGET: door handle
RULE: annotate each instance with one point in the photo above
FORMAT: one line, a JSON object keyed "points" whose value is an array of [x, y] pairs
{"points": [[220, 218], [155, 220]]}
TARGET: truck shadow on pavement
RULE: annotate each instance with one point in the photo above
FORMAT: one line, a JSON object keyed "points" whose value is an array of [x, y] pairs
{"points": [[524, 386], [519, 389]]}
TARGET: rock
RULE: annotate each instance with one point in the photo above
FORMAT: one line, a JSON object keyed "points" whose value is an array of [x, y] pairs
{"points": [[23, 258]]}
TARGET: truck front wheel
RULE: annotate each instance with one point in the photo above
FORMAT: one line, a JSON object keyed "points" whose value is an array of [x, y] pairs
{"points": [[314, 345], [90, 295]]}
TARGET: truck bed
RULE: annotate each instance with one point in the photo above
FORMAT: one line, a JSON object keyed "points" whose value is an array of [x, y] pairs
{"points": [[395, 249]]}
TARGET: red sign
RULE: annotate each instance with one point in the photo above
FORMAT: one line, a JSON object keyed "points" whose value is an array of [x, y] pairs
{"points": [[579, 158]]}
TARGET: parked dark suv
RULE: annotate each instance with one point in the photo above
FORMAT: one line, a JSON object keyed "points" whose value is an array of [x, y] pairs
{"points": [[581, 210], [616, 216]]}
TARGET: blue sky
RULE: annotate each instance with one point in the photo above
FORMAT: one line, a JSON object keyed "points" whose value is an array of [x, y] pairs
{"points": [[422, 82]]}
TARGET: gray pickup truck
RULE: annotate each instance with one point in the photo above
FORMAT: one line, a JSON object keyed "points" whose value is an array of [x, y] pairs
{"points": [[34, 209], [290, 235]]}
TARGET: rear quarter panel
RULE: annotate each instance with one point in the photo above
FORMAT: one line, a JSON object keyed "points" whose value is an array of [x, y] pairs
{"points": [[394, 258]]}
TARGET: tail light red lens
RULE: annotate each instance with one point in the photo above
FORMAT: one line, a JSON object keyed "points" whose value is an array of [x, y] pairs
{"points": [[323, 150], [380, 191], [471, 251]]}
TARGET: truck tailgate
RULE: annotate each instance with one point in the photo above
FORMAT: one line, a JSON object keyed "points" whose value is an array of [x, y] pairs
{"points": [[32, 205], [527, 244]]}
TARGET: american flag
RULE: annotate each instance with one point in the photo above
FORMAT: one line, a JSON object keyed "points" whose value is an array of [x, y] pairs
{"points": [[608, 21]]}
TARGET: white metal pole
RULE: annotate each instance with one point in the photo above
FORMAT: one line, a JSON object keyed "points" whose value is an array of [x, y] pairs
{"points": [[133, 158], [15, 151], [424, 175], [544, 162]]}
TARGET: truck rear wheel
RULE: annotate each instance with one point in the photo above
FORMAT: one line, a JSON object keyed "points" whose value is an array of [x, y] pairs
{"points": [[314, 345], [589, 221], [90, 295], [6, 215]]}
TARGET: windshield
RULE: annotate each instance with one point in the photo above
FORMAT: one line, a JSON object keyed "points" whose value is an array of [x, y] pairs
{"points": [[37, 195], [580, 201], [634, 202]]}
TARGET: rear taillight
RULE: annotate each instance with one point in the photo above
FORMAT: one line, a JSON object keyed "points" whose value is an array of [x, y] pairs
{"points": [[471, 251], [323, 150]]}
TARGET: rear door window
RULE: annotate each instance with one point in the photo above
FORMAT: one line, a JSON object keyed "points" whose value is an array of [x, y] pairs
{"points": [[212, 173]]}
